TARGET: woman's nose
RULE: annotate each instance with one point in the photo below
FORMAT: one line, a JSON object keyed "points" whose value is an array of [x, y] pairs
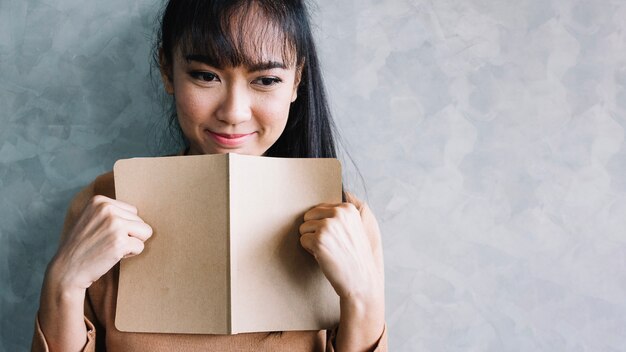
{"points": [[235, 107]]}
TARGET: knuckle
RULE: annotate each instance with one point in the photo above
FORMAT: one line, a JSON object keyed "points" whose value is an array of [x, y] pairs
{"points": [[305, 240], [326, 224], [351, 207], [98, 201], [104, 208], [98, 198], [309, 238], [347, 206], [113, 222], [140, 247], [314, 244], [324, 239], [348, 210], [149, 230], [131, 206]]}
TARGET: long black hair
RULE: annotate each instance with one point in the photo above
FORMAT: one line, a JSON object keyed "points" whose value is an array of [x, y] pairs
{"points": [[206, 27]]}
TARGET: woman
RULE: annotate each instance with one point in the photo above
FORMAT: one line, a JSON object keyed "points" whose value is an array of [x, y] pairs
{"points": [[245, 79]]}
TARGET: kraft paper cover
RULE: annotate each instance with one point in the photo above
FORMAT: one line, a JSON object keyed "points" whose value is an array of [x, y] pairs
{"points": [[225, 255]]}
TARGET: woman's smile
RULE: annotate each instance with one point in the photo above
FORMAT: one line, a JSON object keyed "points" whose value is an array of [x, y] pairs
{"points": [[230, 140]]}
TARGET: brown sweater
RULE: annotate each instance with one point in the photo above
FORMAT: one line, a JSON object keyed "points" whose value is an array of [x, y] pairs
{"points": [[100, 302]]}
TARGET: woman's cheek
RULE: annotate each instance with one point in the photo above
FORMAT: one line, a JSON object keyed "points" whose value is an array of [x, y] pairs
{"points": [[193, 107], [266, 111], [275, 121], [189, 120]]}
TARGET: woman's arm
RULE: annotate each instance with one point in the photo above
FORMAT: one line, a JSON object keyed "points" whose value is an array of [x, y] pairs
{"points": [[106, 231], [346, 244]]}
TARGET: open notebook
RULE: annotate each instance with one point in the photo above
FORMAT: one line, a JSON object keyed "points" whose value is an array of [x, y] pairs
{"points": [[225, 256]]}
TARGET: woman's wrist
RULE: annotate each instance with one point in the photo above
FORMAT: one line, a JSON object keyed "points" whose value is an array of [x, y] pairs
{"points": [[59, 287], [361, 323], [363, 310], [61, 311]]}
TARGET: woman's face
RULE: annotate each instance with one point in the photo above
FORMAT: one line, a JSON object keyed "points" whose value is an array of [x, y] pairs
{"points": [[241, 109]]}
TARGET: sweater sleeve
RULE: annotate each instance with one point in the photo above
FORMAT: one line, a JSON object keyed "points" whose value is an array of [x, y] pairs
{"points": [[373, 233], [379, 346], [39, 343]]}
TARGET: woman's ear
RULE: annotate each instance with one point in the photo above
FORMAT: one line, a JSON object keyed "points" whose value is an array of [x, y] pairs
{"points": [[296, 82], [166, 72]]}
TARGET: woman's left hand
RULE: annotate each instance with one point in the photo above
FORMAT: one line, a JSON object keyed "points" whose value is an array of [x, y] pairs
{"points": [[335, 236]]}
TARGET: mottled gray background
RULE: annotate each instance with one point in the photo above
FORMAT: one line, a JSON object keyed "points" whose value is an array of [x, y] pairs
{"points": [[490, 135]]}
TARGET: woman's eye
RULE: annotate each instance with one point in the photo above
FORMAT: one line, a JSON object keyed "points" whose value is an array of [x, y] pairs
{"points": [[204, 76], [268, 81]]}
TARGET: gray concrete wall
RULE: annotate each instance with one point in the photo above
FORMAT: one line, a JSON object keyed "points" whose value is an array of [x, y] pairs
{"points": [[490, 135]]}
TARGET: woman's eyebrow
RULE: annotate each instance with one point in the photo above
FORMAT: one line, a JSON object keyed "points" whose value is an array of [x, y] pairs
{"points": [[253, 67], [267, 65]]}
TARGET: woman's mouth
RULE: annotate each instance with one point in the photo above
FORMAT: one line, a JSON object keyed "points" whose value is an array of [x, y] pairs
{"points": [[229, 140]]}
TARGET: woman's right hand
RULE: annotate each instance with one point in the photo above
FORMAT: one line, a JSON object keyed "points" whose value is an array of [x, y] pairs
{"points": [[106, 231]]}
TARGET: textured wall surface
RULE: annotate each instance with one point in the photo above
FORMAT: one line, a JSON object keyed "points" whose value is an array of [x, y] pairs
{"points": [[490, 135]]}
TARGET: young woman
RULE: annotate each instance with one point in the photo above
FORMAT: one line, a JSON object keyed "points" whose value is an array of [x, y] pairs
{"points": [[245, 79]]}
